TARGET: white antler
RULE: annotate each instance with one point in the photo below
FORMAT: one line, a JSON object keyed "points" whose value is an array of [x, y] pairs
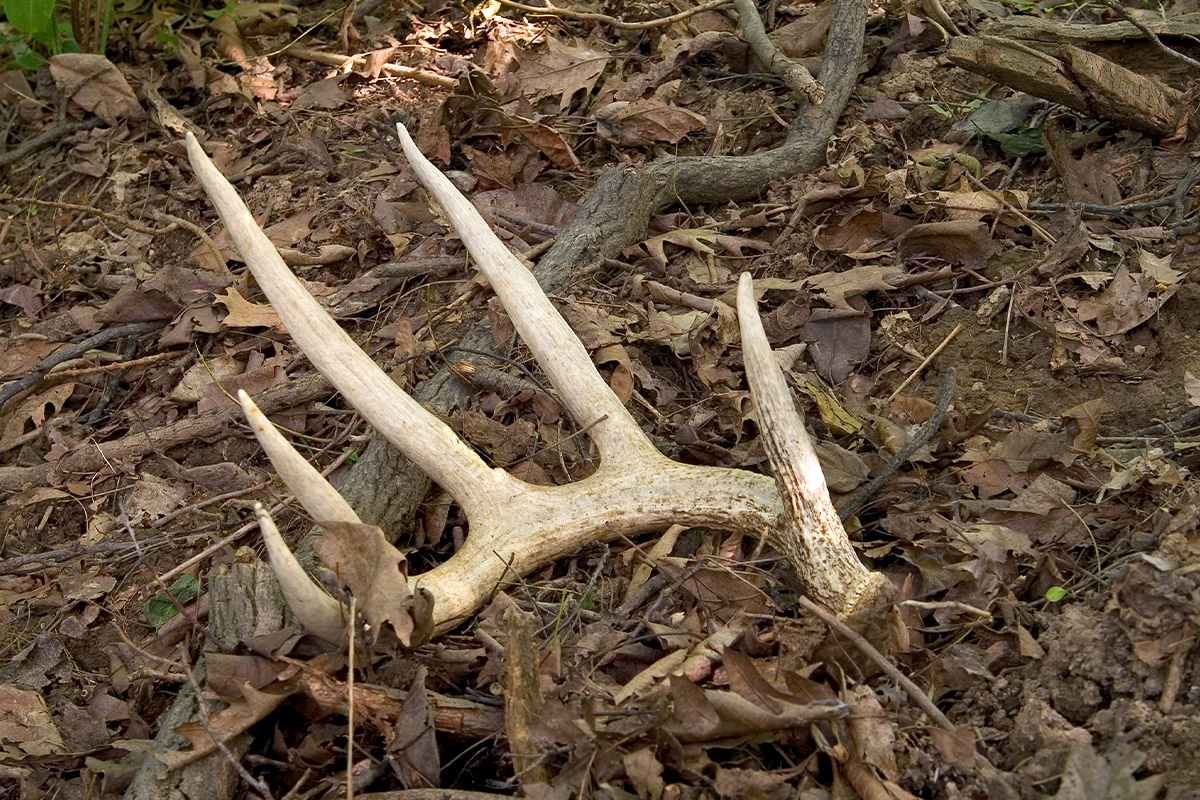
{"points": [[517, 527]]}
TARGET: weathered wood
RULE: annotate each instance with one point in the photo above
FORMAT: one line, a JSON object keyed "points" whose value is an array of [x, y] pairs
{"points": [[1052, 34], [1075, 78], [244, 602]]}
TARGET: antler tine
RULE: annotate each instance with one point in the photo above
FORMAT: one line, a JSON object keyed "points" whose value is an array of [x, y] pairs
{"points": [[317, 495], [557, 349], [420, 435], [311, 604], [812, 534]]}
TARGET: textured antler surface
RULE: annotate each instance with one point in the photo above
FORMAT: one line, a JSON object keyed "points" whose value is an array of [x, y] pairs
{"points": [[517, 527]]}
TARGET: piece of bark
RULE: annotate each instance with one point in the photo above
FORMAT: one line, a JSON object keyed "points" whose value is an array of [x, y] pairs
{"points": [[244, 601], [1075, 78], [1122, 95], [1051, 33]]}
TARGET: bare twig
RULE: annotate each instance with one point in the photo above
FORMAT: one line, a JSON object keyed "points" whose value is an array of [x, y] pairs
{"points": [[202, 717], [849, 507], [120, 219], [928, 359], [17, 562], [880, 660], [587, 16], [392, 70], [1137, 22], [46, 138], [793, 74], [115, 366], [30, 378], [1175, 199]]}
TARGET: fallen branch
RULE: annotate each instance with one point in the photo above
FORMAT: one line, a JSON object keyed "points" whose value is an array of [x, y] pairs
{"points": [[109, 457]]}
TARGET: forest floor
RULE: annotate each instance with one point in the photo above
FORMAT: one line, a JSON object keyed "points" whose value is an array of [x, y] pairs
{"points": [[1043, 543]]}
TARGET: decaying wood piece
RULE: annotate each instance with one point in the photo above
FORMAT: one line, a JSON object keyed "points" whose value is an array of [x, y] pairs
{"points": [[1075, 78], [106, 458], [1051, 33], [517, 527], [244, 603]]}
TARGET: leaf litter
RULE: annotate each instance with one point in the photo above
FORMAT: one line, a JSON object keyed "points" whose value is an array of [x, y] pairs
{"points": [[1044, 541]]}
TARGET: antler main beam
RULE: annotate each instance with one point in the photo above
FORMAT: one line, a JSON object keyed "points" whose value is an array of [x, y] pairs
{"points": [[516, 527]]}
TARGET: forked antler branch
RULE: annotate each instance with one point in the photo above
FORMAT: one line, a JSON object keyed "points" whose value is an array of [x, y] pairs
{"points": [[515, 526]]}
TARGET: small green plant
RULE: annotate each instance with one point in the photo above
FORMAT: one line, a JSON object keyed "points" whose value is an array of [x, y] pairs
{"points": [[29, 16], [160, 608], [1056, 593], [41, 31], [227, 10]]}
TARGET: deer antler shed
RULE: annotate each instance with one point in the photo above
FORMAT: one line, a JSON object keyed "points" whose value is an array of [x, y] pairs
{"points": [[516, 527]]}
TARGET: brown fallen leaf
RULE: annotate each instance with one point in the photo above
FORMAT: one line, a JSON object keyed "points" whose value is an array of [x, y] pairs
{"points": [[234, 719], [645, 121], [24, 423], [964, 242], [1129, 300], [563, 69], [838, 286], [25, 722], [375, 572], [95, 85], [244, 314], [861, 234]]}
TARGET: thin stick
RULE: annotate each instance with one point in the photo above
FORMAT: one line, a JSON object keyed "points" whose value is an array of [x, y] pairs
{"points": [[30, 378], [588, 16], [202, 717], [350, 705], [925, 363], [392, 70], [1042, 233], [849, 507], [794, 74], [914, 691], [116, 366], [1137, 22]]}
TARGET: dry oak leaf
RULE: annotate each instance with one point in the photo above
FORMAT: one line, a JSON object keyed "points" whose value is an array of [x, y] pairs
{"points": [[32, 412], [1087, 775], [563, 69], [546, 139], [698, 240], [27, 298], [861, 234], [376, 573], [964, 242], [26, 724], [234, 719], [645, 121], [837, 286], [1128, 301], [95, 85], [244, 314]]}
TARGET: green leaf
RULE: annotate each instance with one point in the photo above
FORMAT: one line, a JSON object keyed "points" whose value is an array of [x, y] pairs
{"points": [[25, 57], [229, 9], [1055, 593], [159, 609], [167, 36], [29, 16], [1022, 143]]}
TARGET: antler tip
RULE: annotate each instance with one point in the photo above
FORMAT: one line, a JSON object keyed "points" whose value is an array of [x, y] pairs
{"points": [[194, 150]]}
